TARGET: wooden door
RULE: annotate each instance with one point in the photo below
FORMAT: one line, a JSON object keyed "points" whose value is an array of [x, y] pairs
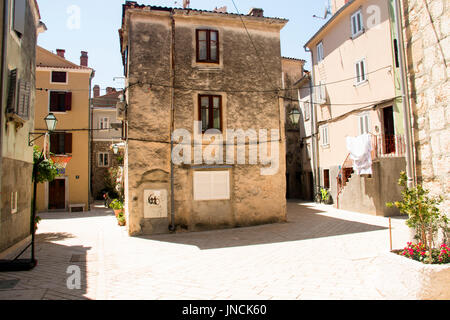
{"points": [[57, 194]]}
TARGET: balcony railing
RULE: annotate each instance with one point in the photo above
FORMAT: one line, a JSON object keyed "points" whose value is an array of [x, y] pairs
{"points": [[388, 146]]}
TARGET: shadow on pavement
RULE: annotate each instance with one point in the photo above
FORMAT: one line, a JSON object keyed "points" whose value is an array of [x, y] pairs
{"points": [[304, 222], [58, 265]]}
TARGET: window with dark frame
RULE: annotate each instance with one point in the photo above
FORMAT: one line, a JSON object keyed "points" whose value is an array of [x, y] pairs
{"points": [[207, 45], [61, 143], [60, 101], [210, 112], [59, 76]]}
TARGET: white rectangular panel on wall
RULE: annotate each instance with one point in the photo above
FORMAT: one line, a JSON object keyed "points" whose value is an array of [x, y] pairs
{"points": [[155, 203], [211, 185]]}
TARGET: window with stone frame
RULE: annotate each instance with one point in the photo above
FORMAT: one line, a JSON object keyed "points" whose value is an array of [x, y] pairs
{"points": [[103, 159], [207, 45], [210, 112]]}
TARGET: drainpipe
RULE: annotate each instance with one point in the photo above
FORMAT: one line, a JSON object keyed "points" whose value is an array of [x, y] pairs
{"points": [[410, 166], [314, 130], [172, 122]]}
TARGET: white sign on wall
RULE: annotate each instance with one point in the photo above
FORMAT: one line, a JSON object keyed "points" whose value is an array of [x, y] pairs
{"points": [[155, 203]]}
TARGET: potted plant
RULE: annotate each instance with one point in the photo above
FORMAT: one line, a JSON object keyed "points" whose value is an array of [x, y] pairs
{"points": [[326, 197], [422, 269], [121, 219], [117, 206]]}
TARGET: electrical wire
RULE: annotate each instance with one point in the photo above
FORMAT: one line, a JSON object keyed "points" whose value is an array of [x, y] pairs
{"points": [[181, 88]]}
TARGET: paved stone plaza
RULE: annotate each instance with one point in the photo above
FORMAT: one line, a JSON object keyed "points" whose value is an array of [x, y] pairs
{"points": [[321, 253]]}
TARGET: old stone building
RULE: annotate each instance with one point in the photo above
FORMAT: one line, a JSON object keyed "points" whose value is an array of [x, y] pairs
{"points": [[426, 26], [106, 132], [222, 71]]}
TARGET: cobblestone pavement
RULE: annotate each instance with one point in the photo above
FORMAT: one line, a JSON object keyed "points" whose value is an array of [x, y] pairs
{"points": [[320, 253]]}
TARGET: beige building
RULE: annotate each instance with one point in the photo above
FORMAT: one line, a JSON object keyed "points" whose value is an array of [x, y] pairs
{"points": [[356, 75], [107, 131], [190, 65], [63, 88], [19, 32]]}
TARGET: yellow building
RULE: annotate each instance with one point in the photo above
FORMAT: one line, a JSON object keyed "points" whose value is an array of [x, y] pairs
{"points": [[63, 88]]}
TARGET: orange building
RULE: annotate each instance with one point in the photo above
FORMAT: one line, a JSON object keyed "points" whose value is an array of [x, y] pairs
{"points": [[63, 88]]}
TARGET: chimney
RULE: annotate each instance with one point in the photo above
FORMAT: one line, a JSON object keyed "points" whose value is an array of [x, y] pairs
{"points": [[96, 91], [110, 90], [61, 52], [84, 59], [256, 12]]}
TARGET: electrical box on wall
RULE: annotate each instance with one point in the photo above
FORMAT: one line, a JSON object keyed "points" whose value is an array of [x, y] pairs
{"points": [[155, 203]]}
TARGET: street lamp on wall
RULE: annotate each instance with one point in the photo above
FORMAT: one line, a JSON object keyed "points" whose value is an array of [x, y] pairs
{"points": [[294, 116], [115, 148], [50, 122]]}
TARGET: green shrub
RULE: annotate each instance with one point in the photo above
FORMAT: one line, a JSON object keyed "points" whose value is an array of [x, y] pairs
{"points": [[423, 215]]}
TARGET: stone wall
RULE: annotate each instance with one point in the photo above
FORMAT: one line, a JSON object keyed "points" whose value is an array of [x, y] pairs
{"points": [[427, 29], [254, 199]]}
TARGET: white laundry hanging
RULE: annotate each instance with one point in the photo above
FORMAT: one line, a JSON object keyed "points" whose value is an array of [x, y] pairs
{"points": [[360, 149]]}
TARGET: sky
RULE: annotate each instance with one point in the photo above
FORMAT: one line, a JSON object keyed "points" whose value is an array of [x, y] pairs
{"points": [[92, 25]]}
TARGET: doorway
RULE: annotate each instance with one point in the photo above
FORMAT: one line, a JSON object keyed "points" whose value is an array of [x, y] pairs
{"points": [[388, 130], [57, 194]]}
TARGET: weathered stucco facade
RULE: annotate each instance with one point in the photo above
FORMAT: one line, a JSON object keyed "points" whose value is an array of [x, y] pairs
{"points": [[246, 83], [17, 119], [427, 30]]}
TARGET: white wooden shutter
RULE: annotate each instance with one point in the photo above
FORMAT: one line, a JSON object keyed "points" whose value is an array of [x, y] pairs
{"points": [[211, 185]]}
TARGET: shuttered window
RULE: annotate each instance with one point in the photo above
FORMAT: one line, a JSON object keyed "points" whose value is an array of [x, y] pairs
{"points": [[19, 95], [60, 101], [211, 185], [19, 7], [61, 143]]}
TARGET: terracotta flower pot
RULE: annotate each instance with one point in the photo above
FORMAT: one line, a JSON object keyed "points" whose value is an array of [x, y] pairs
{"points": [[117, 211]]}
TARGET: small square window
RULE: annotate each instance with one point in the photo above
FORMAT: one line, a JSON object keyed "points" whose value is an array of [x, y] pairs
{"points": [[59, 77]]}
